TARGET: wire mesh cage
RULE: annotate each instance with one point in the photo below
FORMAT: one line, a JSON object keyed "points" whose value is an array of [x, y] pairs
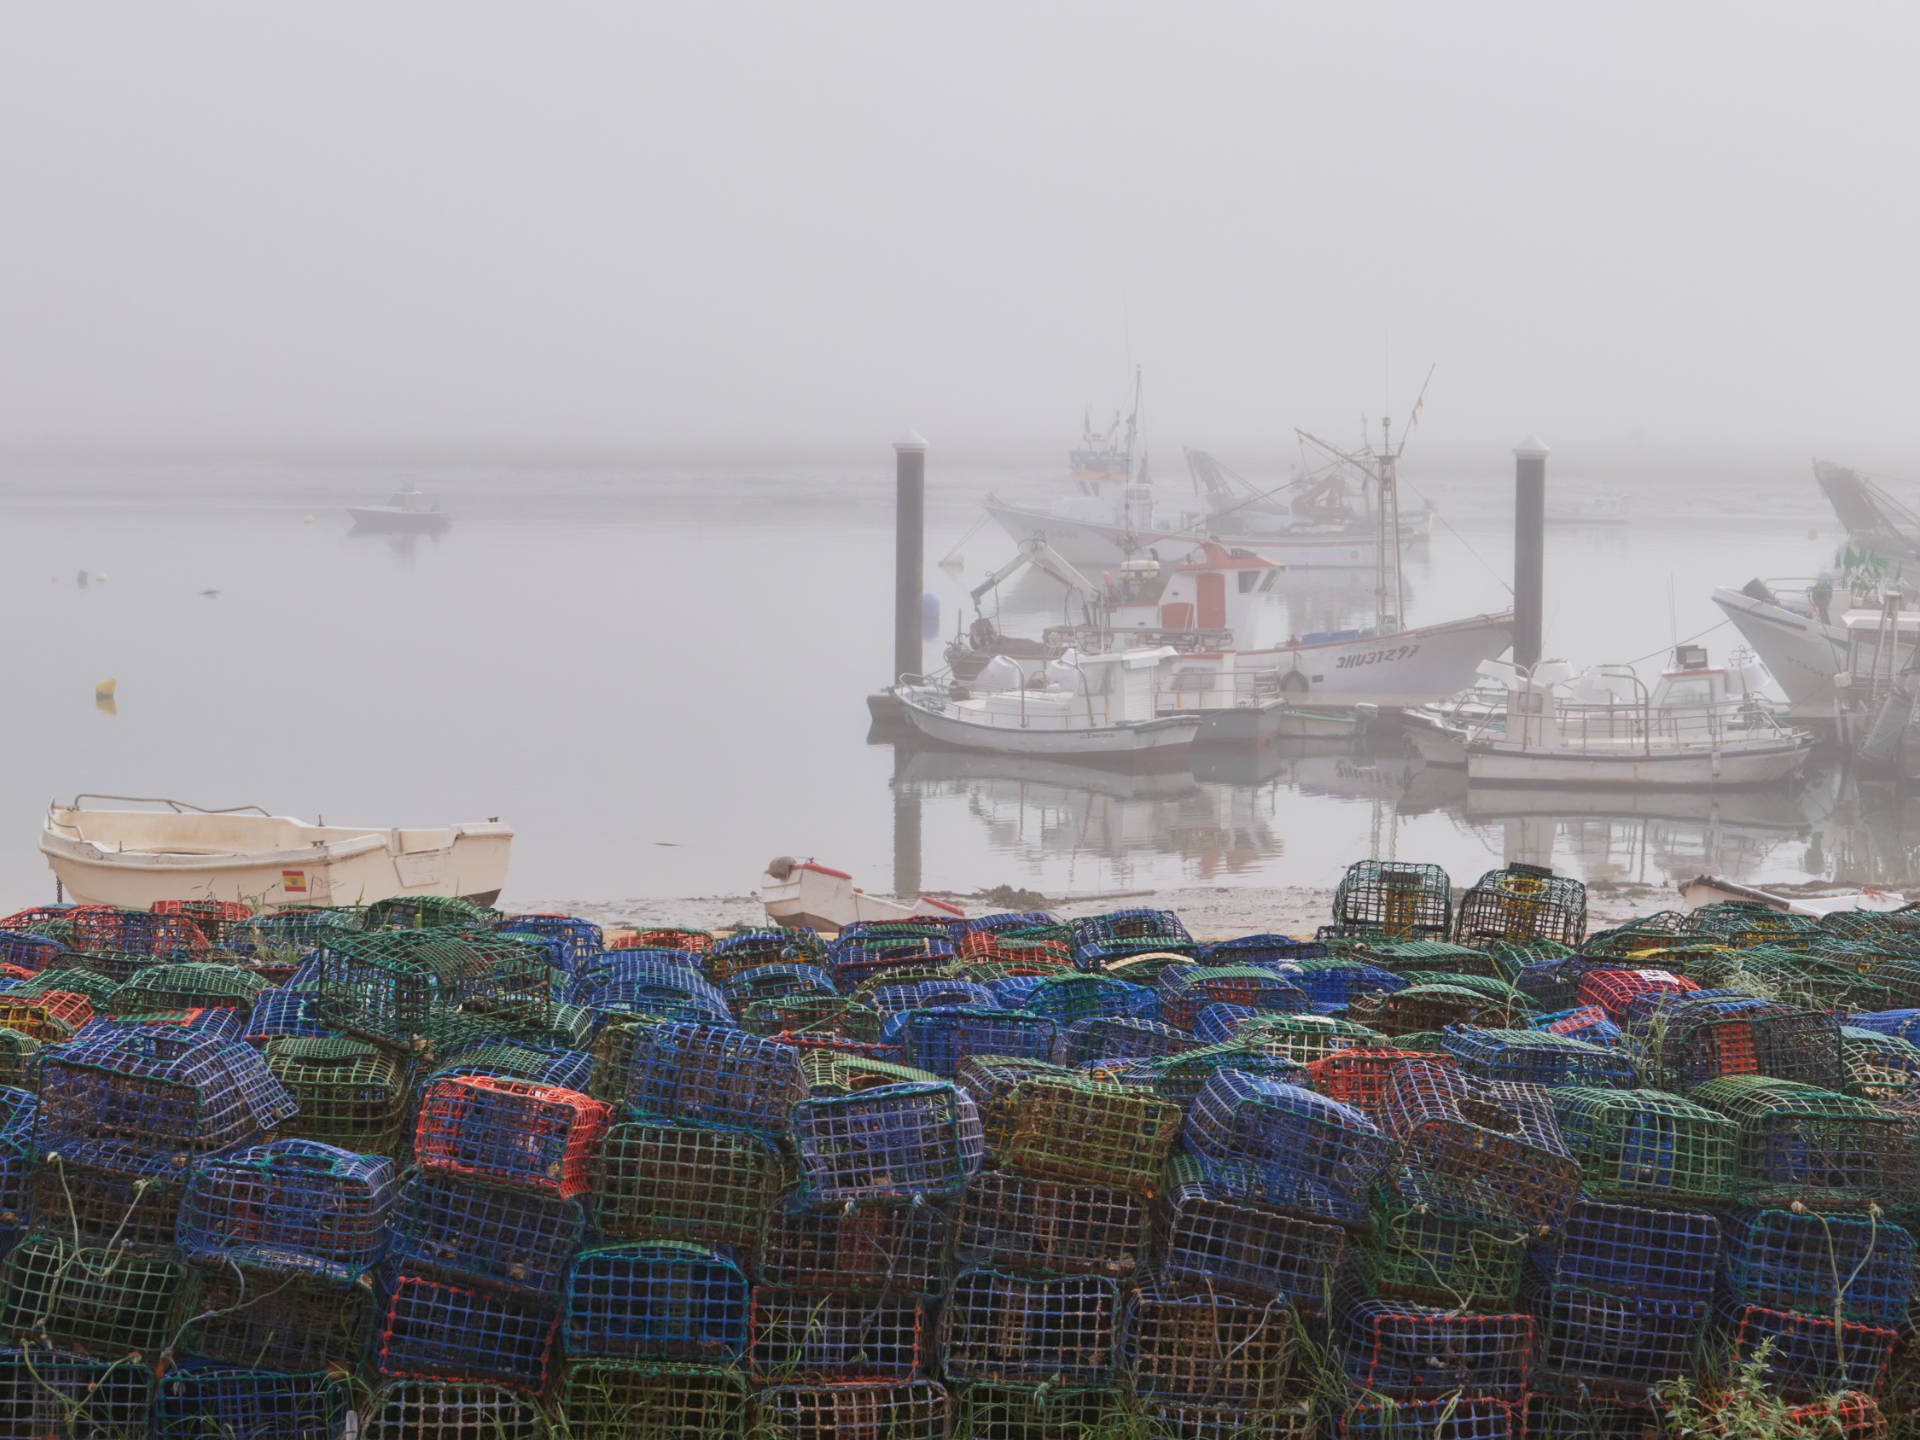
{"points": [[512, 1240], [509, 1132], [96, 1301], [1484, 1150], [1686, 1043], [1808, 1355], [888, 960], [834, 1070], [348, 1092], [186, 986], [938, 1039], [192, 1403], [1282, 1144], [1359, 1077], [400, 982], [1205, 1239], [1616, 991], [1848, 1415], [1799, 1144], [289, 1010], [428, 912], [1538, 1057], [437, 1410], [1184, 991], [1160, 927], [67, 976], [1305, 1038], [606, 1399], [1065, 1128], [1741, 923], [991, 1411], [1050, 1227], [712, 1076], [144, 932], [654, 1180], [1001, 921], [1415, 1254], [27, 951], [777, 982], [861, 1249], [1523, 902], [1611, 1343], [289, 1206], [247, 1317], [1412, 1352], [1067, 998], [1634, 1250], [51, 1016], [164, 1096], [1429, 1005], [1860, 1268], [857, 1410], [1023, 1330], [1574, 1413], [76, 1397], [540, 1061], [1334, 982], [104, 1204], [1647, 1146], [831, 1016], [1458, 1417], [944, 993], [433, 1330], [581, 941], [681, 937], [663, 1300], [919, 1138], [1118, 1037], [1584, 1022], [1393, 897], [1206, 1349], [824, 1335]]}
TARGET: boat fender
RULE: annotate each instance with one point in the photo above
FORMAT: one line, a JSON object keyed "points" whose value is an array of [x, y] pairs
{"points": [[781, 867], [1295, 682]]}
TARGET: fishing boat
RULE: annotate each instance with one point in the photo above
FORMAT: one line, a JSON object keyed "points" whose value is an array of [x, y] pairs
{"points": [[818, 897], [1094, 709], [131, 858], [406, 513], [1547, 740]]}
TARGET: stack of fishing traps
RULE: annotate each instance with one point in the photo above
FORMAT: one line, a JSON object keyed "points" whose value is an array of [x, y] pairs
{"points": [[1453, 1169]]}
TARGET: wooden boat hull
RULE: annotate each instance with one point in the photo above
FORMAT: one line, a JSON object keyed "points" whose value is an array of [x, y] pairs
{"points": [[1273, 720], [1693, 766], [131, 858], [1413, 667], [1147, 741]]}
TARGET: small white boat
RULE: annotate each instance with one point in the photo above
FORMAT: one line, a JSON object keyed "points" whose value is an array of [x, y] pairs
{"points": [[1802, 651], [1095, 709], [407, 513], [131, 858], [1548, 740], [818, 897], [1714, 889]]}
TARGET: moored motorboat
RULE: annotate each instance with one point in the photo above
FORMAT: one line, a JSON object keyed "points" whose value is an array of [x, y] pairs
{"points": [[407, 513], [1096, 709], [131, 858], [1546, 740]]}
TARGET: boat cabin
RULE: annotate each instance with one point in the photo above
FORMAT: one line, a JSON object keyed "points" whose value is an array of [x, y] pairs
{"points": [[1214, 588]]}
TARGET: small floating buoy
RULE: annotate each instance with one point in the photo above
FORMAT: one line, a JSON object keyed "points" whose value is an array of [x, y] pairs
{"points": [[104, 690], [81, 580], [210, 594], [307, 519]]}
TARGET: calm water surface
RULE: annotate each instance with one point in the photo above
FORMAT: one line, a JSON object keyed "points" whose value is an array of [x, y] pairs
{"points": [[658, 676]]}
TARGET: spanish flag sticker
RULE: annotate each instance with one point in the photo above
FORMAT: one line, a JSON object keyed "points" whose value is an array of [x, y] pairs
{"points": [[294, 882]]}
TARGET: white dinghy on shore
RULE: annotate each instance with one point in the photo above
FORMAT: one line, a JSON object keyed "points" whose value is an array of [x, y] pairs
{"points": [[818, 897], [131, 858]]}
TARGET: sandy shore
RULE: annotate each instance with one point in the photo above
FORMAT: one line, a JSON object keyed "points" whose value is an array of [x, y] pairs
{"points": [[1212, 911]]}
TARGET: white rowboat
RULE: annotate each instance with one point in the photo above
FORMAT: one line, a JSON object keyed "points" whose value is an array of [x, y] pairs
{"points": [[131, 858]]}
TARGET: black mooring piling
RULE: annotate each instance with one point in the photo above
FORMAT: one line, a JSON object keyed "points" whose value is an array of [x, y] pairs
{"points": [[909, 564], [1529, 548]]}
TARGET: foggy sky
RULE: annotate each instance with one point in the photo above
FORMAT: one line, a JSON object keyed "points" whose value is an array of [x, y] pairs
{"points": [[651, 223]]}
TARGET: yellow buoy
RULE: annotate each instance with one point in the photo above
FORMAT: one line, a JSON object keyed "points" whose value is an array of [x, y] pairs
{"points": [[104, 690]]}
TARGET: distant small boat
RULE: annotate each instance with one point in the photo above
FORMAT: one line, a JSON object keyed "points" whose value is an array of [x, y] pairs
{"points": [[131, 858], [407, 513], [805, 892]]}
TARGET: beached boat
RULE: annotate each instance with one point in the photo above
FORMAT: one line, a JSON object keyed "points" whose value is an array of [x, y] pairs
{"points": [[131, 858], [805, 892], [407, 513], [1547, 740], [1095, 709]]}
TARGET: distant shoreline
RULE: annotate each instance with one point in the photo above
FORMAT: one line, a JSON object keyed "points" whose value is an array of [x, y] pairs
{"points": [[1211, 911]]}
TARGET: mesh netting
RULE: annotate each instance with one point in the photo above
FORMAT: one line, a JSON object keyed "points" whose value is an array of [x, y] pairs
{"points": [[1479, 1150], [892, 1141], [1538, 1057], [1863, 1267], [243, 1317], [1523, 902], [863, 1249], [433, 1330], [1633, 1250], [1204, 1349], [712, 1076], [430, 1410], [1646, 1145], [294, 1205], [938, 1040], [821, 1335], [648, 1400], [53, 1393], [193, 1403], [1207, 1240], [1809, 1354], [1390, 897], [94, 1300], [1050, 1227], [1057, 1128], [502, 1239], [1415, 1254], [1022, 1330], [1800, 1144], [659, 1181], [659, 1301], [1414, 1351], [509, 1132], [1284, 1145], [1614, 1343], [857, 1410]]}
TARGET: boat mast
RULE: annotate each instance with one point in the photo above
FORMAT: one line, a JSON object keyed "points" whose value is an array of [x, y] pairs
{"points": [[1387, 601]]}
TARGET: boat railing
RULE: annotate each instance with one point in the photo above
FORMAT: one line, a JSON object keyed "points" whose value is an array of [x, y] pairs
{"points": [[1213, 690], [1636, 725], [179, 807]]}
